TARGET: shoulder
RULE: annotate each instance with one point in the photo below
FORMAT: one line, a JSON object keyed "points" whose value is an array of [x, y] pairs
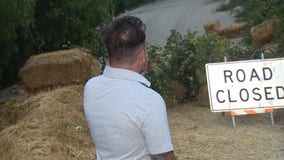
{"points": [[150, 95], [92, 84], [93, 80]]}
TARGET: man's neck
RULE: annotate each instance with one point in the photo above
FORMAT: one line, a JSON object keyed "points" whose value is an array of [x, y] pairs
{"points": [[123, 66]]}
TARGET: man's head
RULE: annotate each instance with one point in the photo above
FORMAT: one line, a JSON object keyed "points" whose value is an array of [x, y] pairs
{"points": [[125, 42]]}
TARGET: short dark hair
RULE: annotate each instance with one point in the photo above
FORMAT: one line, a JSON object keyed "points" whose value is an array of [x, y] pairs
{"points": [[124, 37]]}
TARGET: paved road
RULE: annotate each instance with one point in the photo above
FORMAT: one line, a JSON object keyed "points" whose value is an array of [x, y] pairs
{"points": [[164, 15]]}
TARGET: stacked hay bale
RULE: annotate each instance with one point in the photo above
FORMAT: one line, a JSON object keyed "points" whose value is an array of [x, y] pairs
{"points": [[263, 33], [212, 26], [49, 124], [233, 30], [203, 97], [60, 68]]}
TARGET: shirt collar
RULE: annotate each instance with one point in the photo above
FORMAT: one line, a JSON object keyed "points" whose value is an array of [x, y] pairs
{"points": [[125, 74]]}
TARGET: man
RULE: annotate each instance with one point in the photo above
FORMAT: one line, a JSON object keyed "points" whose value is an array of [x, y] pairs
{"points": [[127, 119]]}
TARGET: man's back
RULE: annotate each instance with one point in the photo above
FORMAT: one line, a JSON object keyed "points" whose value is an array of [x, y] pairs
{"points": [[126, 118]]}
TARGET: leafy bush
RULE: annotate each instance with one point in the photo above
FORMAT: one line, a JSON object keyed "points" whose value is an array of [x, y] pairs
{"points": [[255, 11], [183, 59], [160, 82], [156, 75], [210, 48]]}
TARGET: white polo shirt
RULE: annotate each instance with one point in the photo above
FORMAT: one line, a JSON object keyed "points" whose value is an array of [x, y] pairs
{"points": [[127, 119]]}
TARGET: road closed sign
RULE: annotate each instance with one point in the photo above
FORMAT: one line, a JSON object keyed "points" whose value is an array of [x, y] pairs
{"points": [[244, 85]]}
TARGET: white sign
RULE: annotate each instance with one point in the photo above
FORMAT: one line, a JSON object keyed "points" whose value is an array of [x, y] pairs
{"points": [[244, 85]]}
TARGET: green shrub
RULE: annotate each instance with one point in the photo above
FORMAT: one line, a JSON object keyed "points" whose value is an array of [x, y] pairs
{"points": [[156, 75], [256, 11], [210, 48], [160, 82], [183, 59]]}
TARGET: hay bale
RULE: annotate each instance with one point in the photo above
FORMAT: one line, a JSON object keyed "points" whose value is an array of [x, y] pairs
{"points": [[180, 93], [232, 30], [60, 68], [45, 127], [180, 90], [263, 33], [203, 97], [212, 26], [170, 102]]}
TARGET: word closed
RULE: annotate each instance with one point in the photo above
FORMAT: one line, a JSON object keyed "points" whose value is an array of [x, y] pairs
{"points": [[245, 84]]}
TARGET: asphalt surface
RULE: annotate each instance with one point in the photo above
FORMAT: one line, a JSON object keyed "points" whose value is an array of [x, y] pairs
{"points": [[182, 15]]}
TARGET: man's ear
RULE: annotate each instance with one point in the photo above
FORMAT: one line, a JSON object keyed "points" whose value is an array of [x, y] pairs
{"points": [[141, 56]]}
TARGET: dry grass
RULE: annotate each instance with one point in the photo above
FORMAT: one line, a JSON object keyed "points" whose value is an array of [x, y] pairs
{"points": [[199, 134]]}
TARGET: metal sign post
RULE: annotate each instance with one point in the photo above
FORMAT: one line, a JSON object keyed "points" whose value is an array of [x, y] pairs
{"points": [[255, 111], [271, 113]]}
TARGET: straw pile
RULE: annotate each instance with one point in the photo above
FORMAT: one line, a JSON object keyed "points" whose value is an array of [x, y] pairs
{"points": [[46, 126], [233, 30], [49, 125], [203, 97], [212, 26], [60, 68], [263, 33]]}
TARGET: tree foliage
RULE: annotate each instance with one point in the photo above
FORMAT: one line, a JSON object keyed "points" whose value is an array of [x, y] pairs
{"points": [[67, 23], [256, 11], [29, 27], [16, 37]]}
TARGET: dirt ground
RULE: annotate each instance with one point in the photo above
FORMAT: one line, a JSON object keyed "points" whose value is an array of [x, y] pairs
{"points": [[197, 133]]}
